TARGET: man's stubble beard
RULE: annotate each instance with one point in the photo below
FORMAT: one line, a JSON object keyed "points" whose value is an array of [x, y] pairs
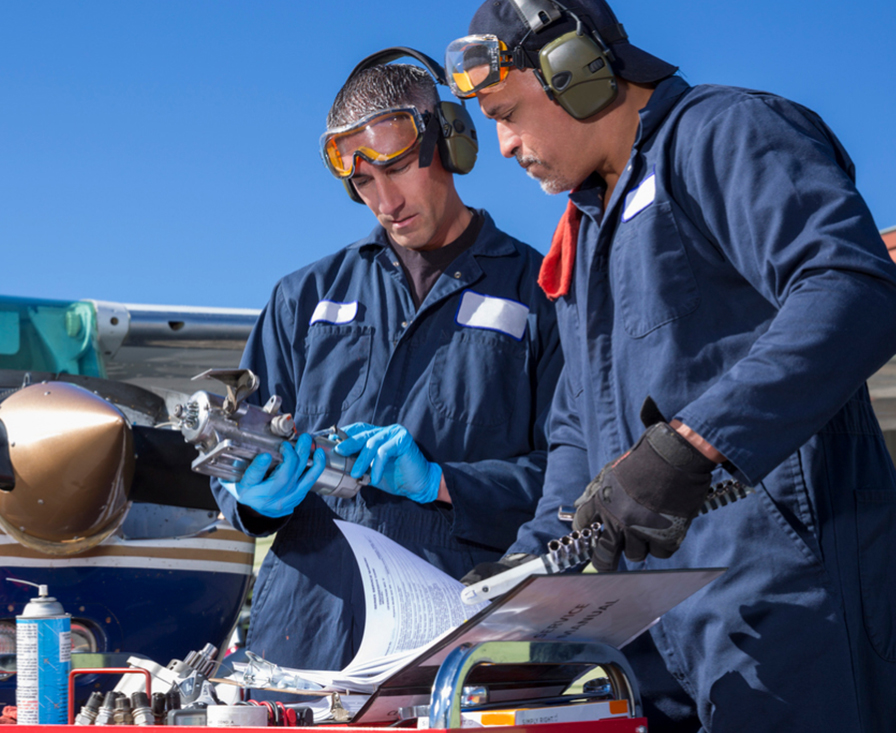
{"points": [[551, 182]]}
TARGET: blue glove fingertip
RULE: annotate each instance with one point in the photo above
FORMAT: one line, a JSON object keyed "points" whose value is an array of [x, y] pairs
{"points": [[357, 427], [311, 474], [348, 446], [319, 463], [378, 465], [255, 471], [290, 458]]}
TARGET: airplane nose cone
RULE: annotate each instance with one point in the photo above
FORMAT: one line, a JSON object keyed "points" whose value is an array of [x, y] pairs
{"points": [[73, 460]]}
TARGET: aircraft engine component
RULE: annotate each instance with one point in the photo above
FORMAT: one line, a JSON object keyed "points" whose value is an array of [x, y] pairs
{"points": [[229, 432], [72, 459]]}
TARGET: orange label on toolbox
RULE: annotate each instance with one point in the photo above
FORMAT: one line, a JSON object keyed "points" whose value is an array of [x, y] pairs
{"points": [[618, 707], [578, 712]]}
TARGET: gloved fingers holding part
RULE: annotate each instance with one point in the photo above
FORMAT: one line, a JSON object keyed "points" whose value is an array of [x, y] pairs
{"points": [[278, 494], [396, 463], [646, 498]]}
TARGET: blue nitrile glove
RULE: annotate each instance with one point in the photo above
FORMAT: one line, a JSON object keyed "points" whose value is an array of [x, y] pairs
{"points": [[395, 461], [286, 487]]}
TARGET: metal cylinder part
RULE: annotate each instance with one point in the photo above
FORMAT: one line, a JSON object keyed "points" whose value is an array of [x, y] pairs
{"points": [[122, 714], [228, 439], [140, 709], [107, 710], [89, 710]]}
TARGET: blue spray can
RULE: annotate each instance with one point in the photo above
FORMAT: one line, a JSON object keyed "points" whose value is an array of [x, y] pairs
{"points": [[43, 660]]}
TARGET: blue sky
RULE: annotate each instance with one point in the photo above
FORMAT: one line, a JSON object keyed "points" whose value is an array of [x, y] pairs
{"points": [[165, 151]]}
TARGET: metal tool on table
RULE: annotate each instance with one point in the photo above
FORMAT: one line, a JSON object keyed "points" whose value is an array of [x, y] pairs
{"points": [[574, 549], [229, 432]]}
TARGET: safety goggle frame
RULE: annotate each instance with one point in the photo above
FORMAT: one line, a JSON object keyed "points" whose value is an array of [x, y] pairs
{"points": [[476, 52], [342, 166]]}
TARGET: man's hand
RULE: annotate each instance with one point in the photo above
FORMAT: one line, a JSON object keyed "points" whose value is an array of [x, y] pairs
{"points": [[396, 463], [646, 498], [281, 492]]}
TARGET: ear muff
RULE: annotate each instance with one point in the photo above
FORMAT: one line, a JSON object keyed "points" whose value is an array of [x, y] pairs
{"points": [[578, 74], [457, 143], [574, 69]]}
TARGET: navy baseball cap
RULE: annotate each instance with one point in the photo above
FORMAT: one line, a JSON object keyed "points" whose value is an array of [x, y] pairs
{"points": [[504, 19]]}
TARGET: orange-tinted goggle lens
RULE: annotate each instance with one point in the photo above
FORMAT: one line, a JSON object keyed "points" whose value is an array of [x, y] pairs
{"points": [[379, 139], [476, 62]]}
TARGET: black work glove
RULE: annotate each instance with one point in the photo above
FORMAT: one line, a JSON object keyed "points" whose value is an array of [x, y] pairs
{"points": [[646, 498], [487, 569]]}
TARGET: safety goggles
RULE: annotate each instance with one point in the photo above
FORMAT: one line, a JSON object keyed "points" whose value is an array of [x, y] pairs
{"points": [[379, 138], [473, 63]]}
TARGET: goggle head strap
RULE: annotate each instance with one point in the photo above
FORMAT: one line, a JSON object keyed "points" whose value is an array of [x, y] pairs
{"points": [[430, 138]]}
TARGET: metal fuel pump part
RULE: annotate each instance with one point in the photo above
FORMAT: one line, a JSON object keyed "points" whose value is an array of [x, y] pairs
{"points": [[229, 432]]}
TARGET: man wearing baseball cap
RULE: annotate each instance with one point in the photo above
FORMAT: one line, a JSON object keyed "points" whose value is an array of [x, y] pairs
{"points": [[722, 296]]}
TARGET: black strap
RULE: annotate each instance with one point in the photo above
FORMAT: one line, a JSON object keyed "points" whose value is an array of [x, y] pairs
{"points": [[430, 138], [397, 52], [613, 33], [536, 14], [7, 475]]}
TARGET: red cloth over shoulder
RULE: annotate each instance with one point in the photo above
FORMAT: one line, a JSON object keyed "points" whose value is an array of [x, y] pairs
{"points": [[555, 275]]}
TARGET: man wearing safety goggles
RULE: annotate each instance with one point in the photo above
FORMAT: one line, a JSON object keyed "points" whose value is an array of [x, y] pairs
{"points": [[714, 256], [429, 343]]}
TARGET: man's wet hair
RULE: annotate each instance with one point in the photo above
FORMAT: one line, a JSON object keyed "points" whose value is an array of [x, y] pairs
{"points": [[382, 87]]}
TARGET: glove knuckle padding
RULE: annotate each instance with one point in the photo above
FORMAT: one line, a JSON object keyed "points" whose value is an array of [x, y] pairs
{"points": [[665, 473], [647, 498]]}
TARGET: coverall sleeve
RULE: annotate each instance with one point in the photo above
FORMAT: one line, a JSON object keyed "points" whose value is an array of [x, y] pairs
{"points": [[764, 182], [493, 498], [566, 476], [265, 356]]}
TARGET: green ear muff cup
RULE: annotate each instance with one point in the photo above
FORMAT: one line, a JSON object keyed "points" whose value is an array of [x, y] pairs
{"points": [[458, 145], [578, 74]]}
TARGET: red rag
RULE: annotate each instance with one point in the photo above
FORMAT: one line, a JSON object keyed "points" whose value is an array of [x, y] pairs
{"points": [[555, 275]]}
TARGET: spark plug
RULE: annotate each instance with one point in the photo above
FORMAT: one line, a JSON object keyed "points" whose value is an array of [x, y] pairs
{"points": [[90, 709], [140, 709]]}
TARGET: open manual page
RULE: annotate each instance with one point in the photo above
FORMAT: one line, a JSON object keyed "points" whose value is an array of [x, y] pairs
{"points": [[409, 602], [415, 617]]}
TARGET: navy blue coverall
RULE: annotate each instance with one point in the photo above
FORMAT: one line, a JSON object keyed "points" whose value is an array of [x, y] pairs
{"points": [[474, 395], [737, 277]]}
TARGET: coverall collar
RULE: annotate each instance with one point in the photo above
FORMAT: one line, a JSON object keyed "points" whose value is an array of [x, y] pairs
{"points": [[660, 104], [489, 243]]}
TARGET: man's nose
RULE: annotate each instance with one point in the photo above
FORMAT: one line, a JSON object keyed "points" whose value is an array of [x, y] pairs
{"points": [[391, 198], [508, 141]]}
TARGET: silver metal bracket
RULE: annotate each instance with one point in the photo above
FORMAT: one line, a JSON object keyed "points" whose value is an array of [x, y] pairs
{"points": [[447, 690]]}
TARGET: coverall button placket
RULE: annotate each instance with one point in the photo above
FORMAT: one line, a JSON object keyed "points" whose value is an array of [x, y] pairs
{"points": [[393, 384]]}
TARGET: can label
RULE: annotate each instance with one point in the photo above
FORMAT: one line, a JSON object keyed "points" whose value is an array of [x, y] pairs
{"points": [[43, 661]]}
